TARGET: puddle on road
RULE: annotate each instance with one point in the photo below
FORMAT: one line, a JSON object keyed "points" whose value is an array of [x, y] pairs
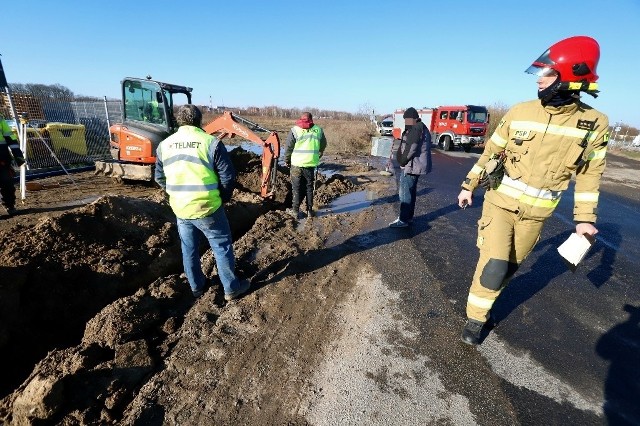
{"points": [[327, 173], [349, 203]]}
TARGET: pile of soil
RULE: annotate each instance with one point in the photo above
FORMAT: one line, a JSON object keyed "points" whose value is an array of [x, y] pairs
{"points": [[98, 324]]}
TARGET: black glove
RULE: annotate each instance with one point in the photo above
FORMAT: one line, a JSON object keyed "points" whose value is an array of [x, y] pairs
{"points": [[19, 161], [492, 176]]}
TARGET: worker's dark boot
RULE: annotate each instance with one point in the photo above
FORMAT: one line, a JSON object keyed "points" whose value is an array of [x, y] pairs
{"points": [[311, 213], [471, 332], [11, 210]]}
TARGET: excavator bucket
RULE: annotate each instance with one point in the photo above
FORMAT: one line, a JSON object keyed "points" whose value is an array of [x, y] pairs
{"points": [[230, 125]]}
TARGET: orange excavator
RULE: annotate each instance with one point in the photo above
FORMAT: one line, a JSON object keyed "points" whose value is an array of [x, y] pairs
{"points": [[147, 119]]}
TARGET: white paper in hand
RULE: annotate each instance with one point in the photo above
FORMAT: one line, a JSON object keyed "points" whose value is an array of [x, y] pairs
{"points": [[574, 249]]}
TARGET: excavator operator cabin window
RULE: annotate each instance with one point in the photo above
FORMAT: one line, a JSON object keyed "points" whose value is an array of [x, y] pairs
{"points": [[132, 101], [141, 102]]}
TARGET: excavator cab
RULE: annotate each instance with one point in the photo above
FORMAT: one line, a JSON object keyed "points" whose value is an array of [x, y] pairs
{"points": [[148, 102], [148, 119]]}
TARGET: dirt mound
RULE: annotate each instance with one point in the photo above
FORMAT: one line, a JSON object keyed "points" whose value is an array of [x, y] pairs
{"points": [[94, 298], [119, 348], [60, 272], [327, 187], [150, 333], [248, 165], [332, 187]]}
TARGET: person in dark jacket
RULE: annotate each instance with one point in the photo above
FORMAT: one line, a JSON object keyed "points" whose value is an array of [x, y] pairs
{"points": [[414, 157], [9, 152]]}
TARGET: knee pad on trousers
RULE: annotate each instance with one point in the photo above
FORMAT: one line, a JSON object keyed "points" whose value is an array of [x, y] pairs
{"points": [[495, 272]]}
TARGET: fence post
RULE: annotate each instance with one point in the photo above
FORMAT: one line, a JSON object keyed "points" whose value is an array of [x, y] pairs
{"points": [[23, 169], [106, 111]]}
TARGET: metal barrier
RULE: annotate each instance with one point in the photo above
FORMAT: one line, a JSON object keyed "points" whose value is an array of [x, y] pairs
{"points": [[63, 134]]}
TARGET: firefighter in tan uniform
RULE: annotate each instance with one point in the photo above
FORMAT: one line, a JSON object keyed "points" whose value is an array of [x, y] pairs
{"points": [[527, 164]]}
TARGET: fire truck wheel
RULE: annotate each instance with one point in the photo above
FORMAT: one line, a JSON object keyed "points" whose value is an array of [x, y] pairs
{"points": [[466, 147], [446, 143]]}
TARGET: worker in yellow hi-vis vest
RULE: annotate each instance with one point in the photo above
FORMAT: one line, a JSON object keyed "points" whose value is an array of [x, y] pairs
{"points": [[195, 170], [10, 152], [527, 164], [303, 149], [153, 112]]}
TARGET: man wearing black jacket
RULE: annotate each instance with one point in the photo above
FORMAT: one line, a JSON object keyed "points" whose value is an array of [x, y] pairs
{"points": [[414, 157]]}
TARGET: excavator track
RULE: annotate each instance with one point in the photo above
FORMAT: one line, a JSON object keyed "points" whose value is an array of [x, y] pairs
{"points": [[121, 170]]}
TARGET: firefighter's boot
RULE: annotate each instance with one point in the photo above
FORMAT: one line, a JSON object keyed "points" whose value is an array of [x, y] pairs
{"points": [[471, 332]]}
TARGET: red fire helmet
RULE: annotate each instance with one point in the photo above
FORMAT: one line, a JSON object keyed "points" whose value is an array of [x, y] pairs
{"points": [[574, 58]]}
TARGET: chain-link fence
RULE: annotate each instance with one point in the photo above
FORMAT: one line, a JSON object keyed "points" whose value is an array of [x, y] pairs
{"points": [[625, 142], [62, 132]]}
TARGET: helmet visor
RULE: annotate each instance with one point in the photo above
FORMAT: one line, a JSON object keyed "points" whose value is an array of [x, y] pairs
{"points": [[541, 71], [543, 66]]}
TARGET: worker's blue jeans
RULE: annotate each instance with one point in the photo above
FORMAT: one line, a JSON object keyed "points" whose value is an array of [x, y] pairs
{"points": [[407, 195], [215, 228]]}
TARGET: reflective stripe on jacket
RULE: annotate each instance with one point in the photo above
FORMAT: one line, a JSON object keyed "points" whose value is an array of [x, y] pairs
{"points": [[191, 182], [544, 146], [306, 152]]}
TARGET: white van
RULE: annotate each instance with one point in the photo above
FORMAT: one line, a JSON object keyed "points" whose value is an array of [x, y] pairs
{"points": [[385, 127], [636, 141]]}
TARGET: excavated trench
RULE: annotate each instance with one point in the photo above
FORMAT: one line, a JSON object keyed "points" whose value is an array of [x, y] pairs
{"points": [[97, 291]]}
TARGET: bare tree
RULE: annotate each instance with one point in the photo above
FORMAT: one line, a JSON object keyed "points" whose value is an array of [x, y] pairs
{"points": [[365, 111], [43, 91], [496, 112]]}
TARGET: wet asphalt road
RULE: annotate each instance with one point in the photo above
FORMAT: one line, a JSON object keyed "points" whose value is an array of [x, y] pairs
{"points": [[567, 346]]}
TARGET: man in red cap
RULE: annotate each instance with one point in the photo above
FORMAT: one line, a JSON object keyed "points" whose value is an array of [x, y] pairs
{"points": [[304, 146]]}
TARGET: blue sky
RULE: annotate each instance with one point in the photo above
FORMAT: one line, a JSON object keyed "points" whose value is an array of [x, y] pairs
{"points": [[341, 55]]}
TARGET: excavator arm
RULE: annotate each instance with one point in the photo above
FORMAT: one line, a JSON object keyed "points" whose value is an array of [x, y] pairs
{"points": [[229, 125]]}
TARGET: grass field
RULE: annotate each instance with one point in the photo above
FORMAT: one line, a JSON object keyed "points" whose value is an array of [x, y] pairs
{"points": [[634, 155]]}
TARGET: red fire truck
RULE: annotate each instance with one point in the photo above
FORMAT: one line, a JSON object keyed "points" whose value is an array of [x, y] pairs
{"points": [[450, 126]]}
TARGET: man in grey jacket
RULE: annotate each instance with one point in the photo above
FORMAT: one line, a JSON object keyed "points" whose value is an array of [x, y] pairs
{"points": [[414, 157]]}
